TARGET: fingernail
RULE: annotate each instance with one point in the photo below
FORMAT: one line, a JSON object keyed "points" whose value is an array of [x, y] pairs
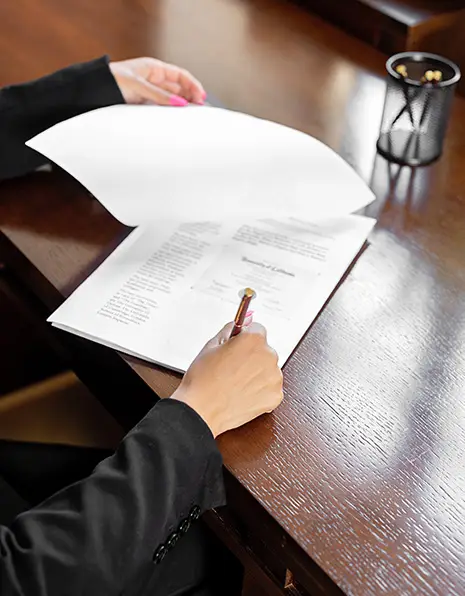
{"points": [[204, 95], [248, 318], [177, 101]]}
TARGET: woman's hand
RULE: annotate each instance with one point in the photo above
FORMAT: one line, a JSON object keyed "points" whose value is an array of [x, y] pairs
{"points": [[231, 382], [147, 80]]}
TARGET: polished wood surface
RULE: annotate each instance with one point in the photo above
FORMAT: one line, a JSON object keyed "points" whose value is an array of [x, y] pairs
{"points": [[359, 477], [383, 22], [395, 26]]}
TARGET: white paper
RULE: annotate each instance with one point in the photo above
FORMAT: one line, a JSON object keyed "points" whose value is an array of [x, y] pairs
{"points": [[200, 163], [166, 290]]}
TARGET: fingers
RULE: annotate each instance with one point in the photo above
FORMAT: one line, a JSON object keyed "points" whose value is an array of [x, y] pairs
{"points": [[221, 337], [248, 318], [148, 80], [152, 93], [174, 88], [197, 92], [255, 328], [190, 87], [225, 333]]}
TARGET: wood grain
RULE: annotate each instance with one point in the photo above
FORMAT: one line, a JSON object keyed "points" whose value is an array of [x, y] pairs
{"points": [[395, 26], [360, 474]]}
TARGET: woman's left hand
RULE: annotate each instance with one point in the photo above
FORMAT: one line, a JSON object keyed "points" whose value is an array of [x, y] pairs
{"points": [[147, 80]]}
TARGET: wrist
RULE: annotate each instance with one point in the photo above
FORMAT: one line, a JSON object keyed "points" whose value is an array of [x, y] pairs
{"points": [[199, 405]]}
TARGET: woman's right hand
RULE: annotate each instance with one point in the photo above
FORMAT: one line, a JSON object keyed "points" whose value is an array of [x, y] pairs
{"points": [[233, 381]]}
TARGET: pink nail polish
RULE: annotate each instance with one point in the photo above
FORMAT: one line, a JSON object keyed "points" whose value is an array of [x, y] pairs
{"points": [[248, 318], [177, 101]]}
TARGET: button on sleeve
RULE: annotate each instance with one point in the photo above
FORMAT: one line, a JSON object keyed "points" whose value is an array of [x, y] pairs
{"points": [[160, 554]]}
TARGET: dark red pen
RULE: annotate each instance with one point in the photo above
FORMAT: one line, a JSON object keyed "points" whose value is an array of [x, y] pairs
{"points": [[247, 296]]}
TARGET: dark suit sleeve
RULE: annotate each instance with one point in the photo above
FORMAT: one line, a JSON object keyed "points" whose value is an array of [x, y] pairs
{"points": [[30, 108], [110, 530]]}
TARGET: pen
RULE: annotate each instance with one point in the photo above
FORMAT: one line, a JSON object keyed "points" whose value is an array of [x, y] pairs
{"points": [[247, 296], [401, 70], [430, 79]]}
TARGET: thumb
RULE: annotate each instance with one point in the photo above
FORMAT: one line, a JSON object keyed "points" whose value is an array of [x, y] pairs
{"points": [[225, 333], [154, 94], [221, 337]]}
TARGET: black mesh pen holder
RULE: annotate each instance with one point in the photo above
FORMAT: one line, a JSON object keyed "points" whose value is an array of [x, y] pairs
{"points": [[420, 89]]}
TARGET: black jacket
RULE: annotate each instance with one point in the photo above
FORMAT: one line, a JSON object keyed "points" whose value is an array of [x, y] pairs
{"points": [[30, 108], [108, 534]]}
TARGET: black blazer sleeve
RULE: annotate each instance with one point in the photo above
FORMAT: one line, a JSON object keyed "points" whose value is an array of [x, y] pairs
{"points": [[105, 533], [30, 108]]}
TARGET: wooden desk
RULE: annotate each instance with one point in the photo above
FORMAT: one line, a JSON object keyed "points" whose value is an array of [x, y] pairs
{"points": [[357, 482], [401, 25]]}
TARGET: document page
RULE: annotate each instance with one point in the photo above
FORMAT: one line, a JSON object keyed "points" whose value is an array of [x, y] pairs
{"points": [[168, 288], [143, 162]]}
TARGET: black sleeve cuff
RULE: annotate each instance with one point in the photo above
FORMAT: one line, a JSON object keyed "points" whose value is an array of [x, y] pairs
{"points": [[31, 108], [192, 442]]}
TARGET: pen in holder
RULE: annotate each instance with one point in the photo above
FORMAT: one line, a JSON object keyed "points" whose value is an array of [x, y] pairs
{"points": [[420, 89]]}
